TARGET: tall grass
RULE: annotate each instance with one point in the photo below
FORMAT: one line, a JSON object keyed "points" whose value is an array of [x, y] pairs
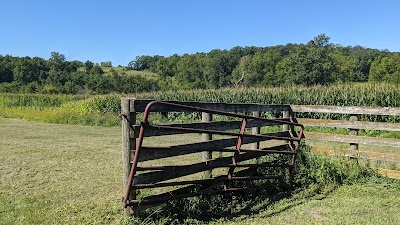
{"points": [[36, 100], [65, 109]]}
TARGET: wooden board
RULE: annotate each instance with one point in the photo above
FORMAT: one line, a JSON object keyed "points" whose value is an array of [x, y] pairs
{"points": [[371, 155], [140, 105], [390, 111], [350, 124], [353, 139]]}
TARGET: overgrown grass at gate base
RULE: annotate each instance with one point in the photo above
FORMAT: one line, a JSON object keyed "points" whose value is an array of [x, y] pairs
{"points": [[314, 172]]}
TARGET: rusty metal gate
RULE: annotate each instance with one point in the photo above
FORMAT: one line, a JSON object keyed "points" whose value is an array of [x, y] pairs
{"points": [[240, 163]]}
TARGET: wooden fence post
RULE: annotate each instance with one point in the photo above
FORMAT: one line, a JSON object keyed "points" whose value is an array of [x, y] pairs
{"points": [[354, 132], [128, 144], [255, 130], [285, 127], [206, 155]]}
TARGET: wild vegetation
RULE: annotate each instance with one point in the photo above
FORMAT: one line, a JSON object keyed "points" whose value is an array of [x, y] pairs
{"points": [[318, 62]]}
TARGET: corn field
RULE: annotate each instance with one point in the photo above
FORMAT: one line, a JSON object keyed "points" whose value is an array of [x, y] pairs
{"points": [[374, 95], [384, 95]]}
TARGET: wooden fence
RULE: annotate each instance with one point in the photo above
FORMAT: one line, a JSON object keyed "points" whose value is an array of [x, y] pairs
{"points": [[273, 151], [289, 117], [353, 124]]}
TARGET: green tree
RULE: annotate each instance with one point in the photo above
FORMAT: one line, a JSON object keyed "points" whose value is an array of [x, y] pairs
{"points": [[6, 68], [365, 57], [167, 67], [386, 69], [57, 77], [78, 78], [219, 67], [144, 62], [309, 65], [242, 70], [106, 64], [96, 70], [190, 73], [348, 68], [57, 61], [88, 66], [321, 40], [26, 71]]}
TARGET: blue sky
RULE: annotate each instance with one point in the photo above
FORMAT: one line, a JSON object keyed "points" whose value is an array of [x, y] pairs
{"points": [[119, 30]]}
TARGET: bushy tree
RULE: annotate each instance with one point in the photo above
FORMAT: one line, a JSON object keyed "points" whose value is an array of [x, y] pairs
{"points": [[167, 67], [144, 62], [219, 67], [26, 71], [386, 69], [309, 65], [96, 70], [190, 73], [88, 66], [6, 68], [106, 64], [57, 61]]}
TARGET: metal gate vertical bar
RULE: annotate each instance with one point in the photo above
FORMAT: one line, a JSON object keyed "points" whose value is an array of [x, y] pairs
{"points": [[236, 154]]}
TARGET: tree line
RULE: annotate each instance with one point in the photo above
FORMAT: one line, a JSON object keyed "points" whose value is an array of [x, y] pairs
{"points": [[317, 62], [57, 75]]}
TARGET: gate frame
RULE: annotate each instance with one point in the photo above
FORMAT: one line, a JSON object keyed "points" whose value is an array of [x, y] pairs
{"points": [[129, 108]]}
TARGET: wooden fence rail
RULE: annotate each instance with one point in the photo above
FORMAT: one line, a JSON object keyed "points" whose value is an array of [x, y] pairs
{"points": [[351, 124], [353, 139]]}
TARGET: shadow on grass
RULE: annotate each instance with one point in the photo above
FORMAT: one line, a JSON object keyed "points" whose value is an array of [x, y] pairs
{"points": [[317, 176], [228, 207]]}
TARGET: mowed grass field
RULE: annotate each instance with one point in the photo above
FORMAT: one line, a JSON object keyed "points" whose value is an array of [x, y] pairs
{"points": [[72, 174], [59, 174]]}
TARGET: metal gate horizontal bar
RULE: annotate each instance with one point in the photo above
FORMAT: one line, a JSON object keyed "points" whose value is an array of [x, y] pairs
{"points": [[147, 201], [214, 145], [180, 171], [216, 125], [258, 137], [154, 104], [213, 166], [206, 186], [203, 181]]}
